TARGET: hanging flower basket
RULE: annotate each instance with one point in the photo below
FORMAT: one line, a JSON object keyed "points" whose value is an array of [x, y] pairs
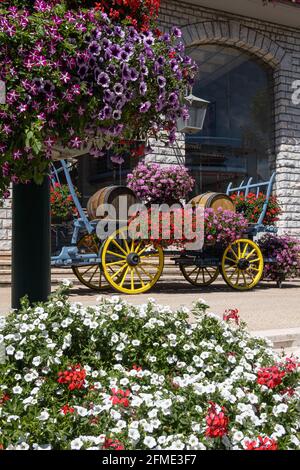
{"points": [[72, 75]]}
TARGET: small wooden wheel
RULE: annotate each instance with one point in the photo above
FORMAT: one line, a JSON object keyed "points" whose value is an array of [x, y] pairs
{"points": [[90, 275], [242, 265], [131, 266], [200, 276]]}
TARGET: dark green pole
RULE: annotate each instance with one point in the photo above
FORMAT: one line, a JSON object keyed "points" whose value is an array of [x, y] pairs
{"points": [[31, 241]]}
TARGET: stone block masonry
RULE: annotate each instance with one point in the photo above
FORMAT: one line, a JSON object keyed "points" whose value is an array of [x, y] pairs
{"points": [[5, 227]]}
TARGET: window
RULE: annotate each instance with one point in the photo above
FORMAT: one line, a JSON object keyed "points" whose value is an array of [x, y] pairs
{"points": [[236, 142], [96, 173]]}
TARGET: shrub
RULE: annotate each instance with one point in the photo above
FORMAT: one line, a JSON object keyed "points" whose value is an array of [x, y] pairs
{"points": [[285, 253], [158, 184], [116, 376], [251, 206], [62, 204]]}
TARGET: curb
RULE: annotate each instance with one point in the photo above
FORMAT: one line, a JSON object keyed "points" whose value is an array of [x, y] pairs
{"points": [[288, 338]]}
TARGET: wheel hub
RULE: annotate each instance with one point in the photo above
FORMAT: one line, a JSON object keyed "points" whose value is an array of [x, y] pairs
{"points": [[243, 264], [133, 259]]}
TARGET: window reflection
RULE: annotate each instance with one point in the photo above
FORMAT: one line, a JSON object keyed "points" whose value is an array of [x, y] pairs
{"points": [[237, 139]]}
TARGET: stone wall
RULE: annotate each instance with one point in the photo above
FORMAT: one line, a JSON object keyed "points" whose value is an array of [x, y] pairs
{"points": [[5, 227]]}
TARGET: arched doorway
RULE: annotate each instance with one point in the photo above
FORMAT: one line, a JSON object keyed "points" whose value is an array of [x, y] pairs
{"points": [[237, 141]]}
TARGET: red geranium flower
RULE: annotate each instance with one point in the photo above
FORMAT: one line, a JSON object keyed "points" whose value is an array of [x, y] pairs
{"points": [[114, 444], [262, 443], [232, 314], [271, 377], [120, 397], [74, 377], [67, 409], [5, 397], [217, 422]]}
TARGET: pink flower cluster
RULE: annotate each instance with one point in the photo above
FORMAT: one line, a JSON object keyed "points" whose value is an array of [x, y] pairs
{"points": [[157, 184]]}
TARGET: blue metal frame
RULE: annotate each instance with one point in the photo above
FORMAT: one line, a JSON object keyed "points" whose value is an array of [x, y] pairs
{"points": [[245, 188], [69, 255]]}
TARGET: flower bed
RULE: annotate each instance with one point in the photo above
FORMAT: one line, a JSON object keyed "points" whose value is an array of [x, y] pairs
{"points": [[118, 377], [221, 227]]}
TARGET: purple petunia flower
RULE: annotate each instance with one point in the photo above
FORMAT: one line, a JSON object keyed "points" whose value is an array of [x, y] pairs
{"points": [[108, 96], [103, 80], [143, 88], [82, 71], [144, 108], [118, 89], [94, 48], [125, 72], [124, 56], [134, 75], [115, 51], [161, 81], [117, 114], [176, 32]]}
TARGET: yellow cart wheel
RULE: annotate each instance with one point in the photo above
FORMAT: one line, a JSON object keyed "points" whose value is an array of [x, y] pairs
{"points": [[200, 276], [90, 275], [242, 265], [131, 266]]}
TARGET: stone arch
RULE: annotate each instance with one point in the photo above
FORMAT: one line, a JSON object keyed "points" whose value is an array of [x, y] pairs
{"points": [[232, 33]]}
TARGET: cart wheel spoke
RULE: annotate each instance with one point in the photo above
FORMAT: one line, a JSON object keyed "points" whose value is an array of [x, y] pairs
{"points": [[128, 250], [138, 246], [94, 273], [116, 263], [139, 276], [119, 247], [230, 259], [116, 254], [132, 279], [251, 253]]}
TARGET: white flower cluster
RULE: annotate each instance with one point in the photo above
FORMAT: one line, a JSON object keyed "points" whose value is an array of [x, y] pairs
{"points": [[139, 378]]}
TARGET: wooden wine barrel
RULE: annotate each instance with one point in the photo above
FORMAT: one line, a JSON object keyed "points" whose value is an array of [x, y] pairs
{"points": [[111, 195], [214, 201]]}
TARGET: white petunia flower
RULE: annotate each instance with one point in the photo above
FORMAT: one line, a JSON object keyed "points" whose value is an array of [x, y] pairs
{"points": [[17, 390], [279, 409], [238, 436], [150, 442], [44, 416], [10, 350], [134, 434], [19, 355], [36, 361], [76, 444]]}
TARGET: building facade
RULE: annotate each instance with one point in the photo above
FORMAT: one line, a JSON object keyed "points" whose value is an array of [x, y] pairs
{"points": [[249, 70]]}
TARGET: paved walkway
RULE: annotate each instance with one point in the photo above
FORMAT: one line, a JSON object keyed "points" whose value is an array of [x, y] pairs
{"points": [[265, 308]]}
